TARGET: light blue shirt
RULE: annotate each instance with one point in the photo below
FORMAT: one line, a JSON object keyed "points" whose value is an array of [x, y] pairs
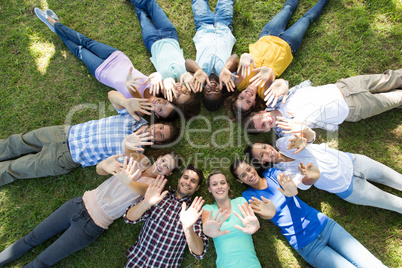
{"points": [[96, 140], [214, 44], [168, 59]]}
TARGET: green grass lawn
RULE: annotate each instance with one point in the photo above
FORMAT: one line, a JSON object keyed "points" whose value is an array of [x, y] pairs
{"points": [[41, 81]]}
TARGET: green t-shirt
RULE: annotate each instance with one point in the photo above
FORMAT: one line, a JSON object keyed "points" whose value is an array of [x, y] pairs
{"points": [[235, 249]]}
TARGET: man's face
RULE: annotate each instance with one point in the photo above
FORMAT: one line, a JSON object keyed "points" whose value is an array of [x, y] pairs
{"points": [[264, 121], [188, 183], [246, 99], [160, 132], [164, 165], [162, 107], [265, 153], [212, 91]]}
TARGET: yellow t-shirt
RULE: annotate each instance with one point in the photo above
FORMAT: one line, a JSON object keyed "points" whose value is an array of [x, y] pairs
{"points": [[270, 51]]}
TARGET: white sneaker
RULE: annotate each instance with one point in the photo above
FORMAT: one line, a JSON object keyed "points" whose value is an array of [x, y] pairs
{"points": [[42, 16]]}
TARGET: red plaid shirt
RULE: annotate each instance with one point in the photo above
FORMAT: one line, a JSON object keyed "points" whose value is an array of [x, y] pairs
{"points": [[161, 242]]}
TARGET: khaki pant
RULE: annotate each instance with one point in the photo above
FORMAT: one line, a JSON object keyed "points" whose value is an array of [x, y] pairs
{"points": [[369, 95], [38, 153]]}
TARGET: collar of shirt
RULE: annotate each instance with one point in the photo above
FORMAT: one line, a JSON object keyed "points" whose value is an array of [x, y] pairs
{"points": [[186, 199]]}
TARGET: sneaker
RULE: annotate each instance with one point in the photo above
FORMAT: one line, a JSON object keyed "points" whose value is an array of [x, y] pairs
{"points": [[42, 16], [51, 14]]}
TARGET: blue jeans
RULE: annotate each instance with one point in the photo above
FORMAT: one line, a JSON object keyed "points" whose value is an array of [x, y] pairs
{"points": [[335, 247], [92, 53], [204, 15], [364, 193], [154, 22], [294, 35], [79, 231]]}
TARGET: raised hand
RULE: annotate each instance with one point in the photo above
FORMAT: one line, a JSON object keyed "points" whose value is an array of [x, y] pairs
{"points": [[111, 165], [289, 188], [189, 217], [154, 194], [136, 140], [132, 83], [249, 220], [169, 89], [212, 226], [290, 125], [226, 77], [245, 64], [263, 74], [279, 88], [185, 79], [264, 207], [134, 105], [156, 83], [129, 172], [298, 143], [199, 79], [311, 172]]}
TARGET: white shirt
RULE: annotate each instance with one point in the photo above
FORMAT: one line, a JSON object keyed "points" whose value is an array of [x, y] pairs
{"points": [[336, 167], [323, 104]]}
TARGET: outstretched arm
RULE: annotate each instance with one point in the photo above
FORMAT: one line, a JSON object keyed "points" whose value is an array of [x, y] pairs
{"points": [[248, 219], [132, 105], [153, 196], [311, 173], [129, 174], [108, 166], [188, 218], [199, 76], [264, 207]]}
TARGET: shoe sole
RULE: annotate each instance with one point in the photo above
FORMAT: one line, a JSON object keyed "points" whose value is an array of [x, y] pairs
{"points": [[42, 16]]}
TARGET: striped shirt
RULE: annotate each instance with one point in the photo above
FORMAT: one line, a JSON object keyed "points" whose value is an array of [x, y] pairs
{"points": [[96, 140], [161, 242]]}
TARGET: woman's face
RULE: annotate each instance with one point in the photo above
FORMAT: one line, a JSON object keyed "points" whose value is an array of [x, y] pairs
{"points": [[247, 174], [164, 165], [265, 153], [182, 94], [218, 186], [264, 121], [246, 99], [162, 108]]}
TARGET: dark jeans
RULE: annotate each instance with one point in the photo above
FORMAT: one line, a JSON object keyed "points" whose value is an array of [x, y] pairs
{"points": [[204, 15], [154, 22], [79, 231], [294, 35], [91, 52]]}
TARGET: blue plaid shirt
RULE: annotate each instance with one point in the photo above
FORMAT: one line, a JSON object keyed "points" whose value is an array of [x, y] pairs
{"points": [[96, 140]]}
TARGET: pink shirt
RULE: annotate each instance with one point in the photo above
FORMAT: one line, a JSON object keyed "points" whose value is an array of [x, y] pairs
{"points": [[110, 200], [113, 72]]}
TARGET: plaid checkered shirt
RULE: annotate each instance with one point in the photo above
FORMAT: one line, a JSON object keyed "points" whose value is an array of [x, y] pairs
{"points": [[96, 140], [161, 242]]}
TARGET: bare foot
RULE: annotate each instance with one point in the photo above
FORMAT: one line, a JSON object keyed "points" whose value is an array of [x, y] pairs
{"points": [[51, 20]]}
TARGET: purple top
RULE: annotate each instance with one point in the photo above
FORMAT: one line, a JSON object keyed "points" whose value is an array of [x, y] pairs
{"points": [[113, 72]]}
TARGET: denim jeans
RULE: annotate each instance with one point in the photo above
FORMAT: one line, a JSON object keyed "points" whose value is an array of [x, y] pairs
{"points": [[294, 35], [204, 15], [79, 231], [366, 170], [335, 247], [154, 22], [92, 53]]}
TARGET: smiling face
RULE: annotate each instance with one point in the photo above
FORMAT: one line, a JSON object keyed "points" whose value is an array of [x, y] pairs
{"points": [[162, 108], [160, 132], [247, 174], [218, 186], [182, 94], [265, 153], [164, 165], [212, 91], [188, 183], [264, 121], [246, 99]]}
